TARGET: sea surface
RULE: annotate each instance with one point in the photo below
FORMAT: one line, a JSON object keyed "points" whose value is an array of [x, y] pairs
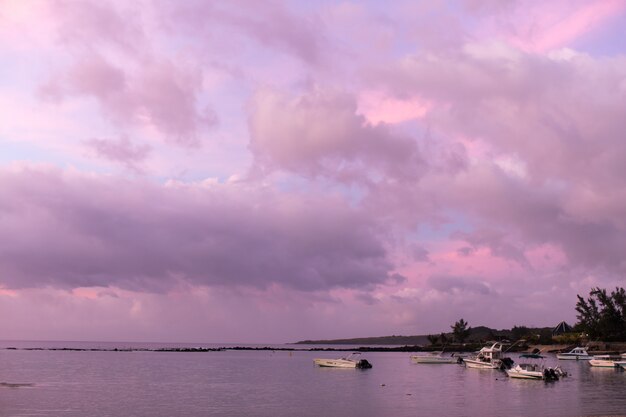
{"points": [[281, 383]]}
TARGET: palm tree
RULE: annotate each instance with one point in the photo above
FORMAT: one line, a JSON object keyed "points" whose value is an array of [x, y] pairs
{"points": [[461, 331]]}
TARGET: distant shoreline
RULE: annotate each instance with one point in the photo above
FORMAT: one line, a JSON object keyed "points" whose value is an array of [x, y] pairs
{"points": [[409, 349], [354, 348], [224, 348], [381, 340]]}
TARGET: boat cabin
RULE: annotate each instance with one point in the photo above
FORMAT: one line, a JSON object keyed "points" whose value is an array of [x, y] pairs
{"points": [[488, 354]]}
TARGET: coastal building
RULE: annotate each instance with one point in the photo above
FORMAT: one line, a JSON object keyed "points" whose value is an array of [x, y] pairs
{"points": [[561, 328]]}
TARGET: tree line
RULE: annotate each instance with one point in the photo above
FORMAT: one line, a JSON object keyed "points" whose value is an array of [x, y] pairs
{"points": [[460, 332], [601, 316]]}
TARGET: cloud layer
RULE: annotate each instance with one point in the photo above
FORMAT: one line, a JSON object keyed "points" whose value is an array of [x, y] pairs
{"points": [[388, 170], [71, 230]]}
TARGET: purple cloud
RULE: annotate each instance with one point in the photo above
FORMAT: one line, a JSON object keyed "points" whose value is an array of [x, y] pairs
{"points": [[121, 150], [390, 164], [103, 54], [497, 244], [271, 24], [458, 284], [513, 216], [465, 251], [69, 230], [161, 95], [419, 254], [95, 22], [320, 133], [489, 6]]}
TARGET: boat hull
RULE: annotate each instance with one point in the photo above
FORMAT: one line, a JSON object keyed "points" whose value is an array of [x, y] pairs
{"points": [[524, 374], [433, 359], [335, 363], [343, 363], [535, 371], [576, 354], [606, 361], [568, 357], [602, 363], [476, 364]]}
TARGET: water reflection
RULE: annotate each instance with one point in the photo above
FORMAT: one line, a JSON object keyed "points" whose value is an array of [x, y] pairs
{"points": [[265, 383]]}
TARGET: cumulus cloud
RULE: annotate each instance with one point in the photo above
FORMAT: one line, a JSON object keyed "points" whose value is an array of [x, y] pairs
{"points": [[489, 6], [271, 24], [95, 22], [320, 133], [465, 251], [70, 230], [458, 284], [544, 110], [512, 216], [100, 51], [497, 244], [121, 150], [419, 254], [444, 163], [558, 118], [161, 94]]}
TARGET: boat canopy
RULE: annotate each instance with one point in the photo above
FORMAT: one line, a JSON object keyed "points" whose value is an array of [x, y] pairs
{"points": [[532, 356]]}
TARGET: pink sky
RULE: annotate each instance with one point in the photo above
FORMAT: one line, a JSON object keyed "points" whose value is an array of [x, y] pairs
{"points": [[231, 172]]}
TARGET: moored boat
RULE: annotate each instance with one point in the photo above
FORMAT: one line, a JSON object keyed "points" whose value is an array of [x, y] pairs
{"points": [[576, 354], [347, 362], [487, 358], [525, 371], [532, 370], [436, 358], [605, 361]]}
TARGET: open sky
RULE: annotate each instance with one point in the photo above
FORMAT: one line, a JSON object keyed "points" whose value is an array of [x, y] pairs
{"points": [[270, 171]]}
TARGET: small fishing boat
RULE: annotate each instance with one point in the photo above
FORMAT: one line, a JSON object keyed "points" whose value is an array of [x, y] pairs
{"points": [[348, 362], [534, 370], [605, 361], [436, 357], [488, 358], [576, 354]]}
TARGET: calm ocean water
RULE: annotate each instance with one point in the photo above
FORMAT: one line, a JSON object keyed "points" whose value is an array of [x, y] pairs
{"points": [[280, 383]]}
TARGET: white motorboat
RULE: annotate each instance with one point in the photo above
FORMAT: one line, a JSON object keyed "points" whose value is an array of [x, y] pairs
{"points": [[525, 371], [436, 357], [576, 354], [487, 358], [622, 362], [347, 362], [532, 370], [605, 361]]}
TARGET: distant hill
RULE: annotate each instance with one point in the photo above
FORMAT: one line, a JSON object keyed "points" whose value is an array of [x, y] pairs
{"points": [[477, 334], [381, 340]]}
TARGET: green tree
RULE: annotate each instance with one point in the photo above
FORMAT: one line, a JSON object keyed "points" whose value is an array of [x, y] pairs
{"points": [[460, 330], [443, 338], [603, 315], [545, 336], [519, 332], [432, 339]]}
